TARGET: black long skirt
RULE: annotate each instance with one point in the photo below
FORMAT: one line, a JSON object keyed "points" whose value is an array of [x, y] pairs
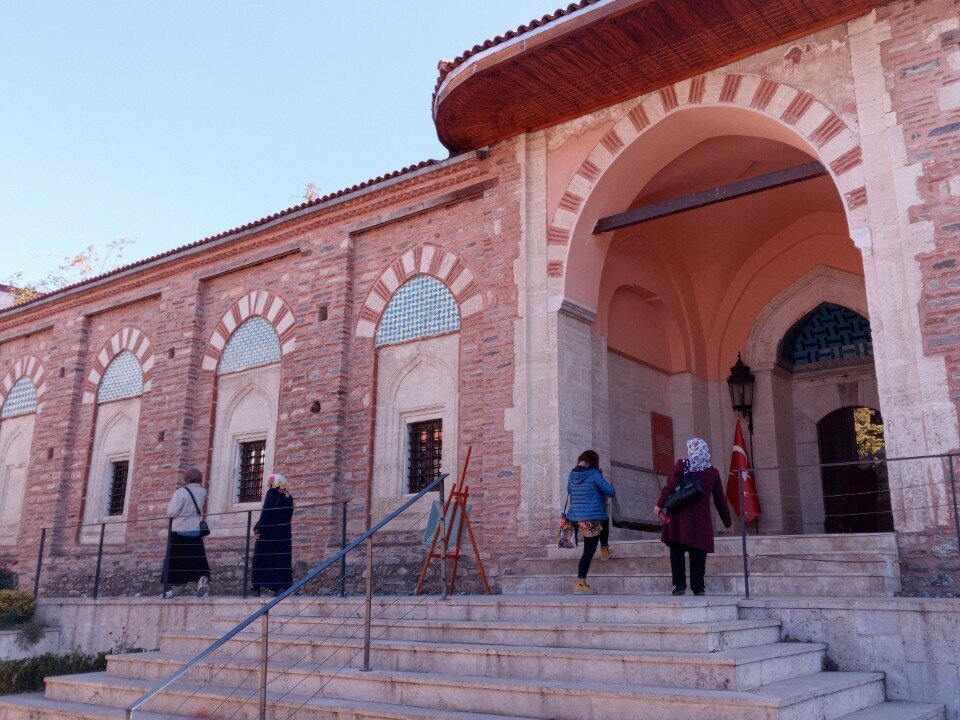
{"points": [[187, 559]]}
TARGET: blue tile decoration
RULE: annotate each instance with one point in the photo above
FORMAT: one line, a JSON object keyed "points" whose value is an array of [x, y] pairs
{"points": [[122, 379], [422, 307], [252, 344], [830, 334], [21, 400]]}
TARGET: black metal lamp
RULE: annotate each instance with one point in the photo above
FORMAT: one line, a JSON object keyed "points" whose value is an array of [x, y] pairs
{"points": [[740, 383]]}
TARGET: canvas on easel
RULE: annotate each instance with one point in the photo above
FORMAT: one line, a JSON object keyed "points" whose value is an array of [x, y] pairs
{"points": [[456, 515]]}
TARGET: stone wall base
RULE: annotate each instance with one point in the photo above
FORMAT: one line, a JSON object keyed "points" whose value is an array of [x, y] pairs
{"points": [[930, 563]]}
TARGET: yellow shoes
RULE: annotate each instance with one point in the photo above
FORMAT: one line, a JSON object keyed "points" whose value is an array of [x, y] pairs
{"points": [[581, 588], [606, 553]]}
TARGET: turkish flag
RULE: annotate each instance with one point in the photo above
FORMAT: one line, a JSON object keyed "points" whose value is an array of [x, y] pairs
{"points": [[739, 462]]}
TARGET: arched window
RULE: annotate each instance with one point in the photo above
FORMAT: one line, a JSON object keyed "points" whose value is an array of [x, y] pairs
{"points": [[829, 335], [253, 344], [21, 400], [422, 307], [122, 379]]}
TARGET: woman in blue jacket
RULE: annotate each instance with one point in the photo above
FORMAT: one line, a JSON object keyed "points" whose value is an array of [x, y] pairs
{"points": [[588, 508]]}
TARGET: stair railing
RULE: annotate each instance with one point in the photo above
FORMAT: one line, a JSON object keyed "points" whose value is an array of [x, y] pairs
{"points": [[263, 613]]}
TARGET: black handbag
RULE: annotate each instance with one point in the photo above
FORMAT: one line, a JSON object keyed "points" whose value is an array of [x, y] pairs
{"points": [[204, 528], [688, 491]]}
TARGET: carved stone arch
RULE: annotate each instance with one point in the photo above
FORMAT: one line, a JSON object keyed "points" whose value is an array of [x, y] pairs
{"points": [[824, 131], [256, 303], [128, 338], [401, 374], [250, 387], [821, 284], [29, 367], [444, 265]]}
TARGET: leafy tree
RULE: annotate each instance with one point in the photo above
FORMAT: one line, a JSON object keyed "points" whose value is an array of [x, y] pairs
{"points": [[88, 263]]}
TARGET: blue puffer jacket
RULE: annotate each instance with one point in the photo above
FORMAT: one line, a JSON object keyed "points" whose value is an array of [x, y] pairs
{"points": [[588, 492]]}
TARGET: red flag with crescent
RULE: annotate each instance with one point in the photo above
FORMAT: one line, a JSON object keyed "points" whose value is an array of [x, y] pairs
{"points": [[738, 463]]}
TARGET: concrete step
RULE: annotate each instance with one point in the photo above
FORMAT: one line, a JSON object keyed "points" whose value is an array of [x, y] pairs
{"points": [[691, 637], [835, 564], [561, 608], [34, 706], [899, 710], [739, 669], [880, 543], [731, 585], [817, 697]]}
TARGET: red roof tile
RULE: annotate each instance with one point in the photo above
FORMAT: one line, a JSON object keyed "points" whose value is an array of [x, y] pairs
{"points": [[225, 233]]}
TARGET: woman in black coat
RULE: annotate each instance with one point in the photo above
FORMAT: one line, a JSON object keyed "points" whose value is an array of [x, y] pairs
{"points": [[272, 554]]}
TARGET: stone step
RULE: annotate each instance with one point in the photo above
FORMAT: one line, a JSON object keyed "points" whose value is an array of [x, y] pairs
{"points": [[226, 703], [827, 564], [880, 543], [718, 584], [899, 710], [817, 697], [561, 608], [739, 669], [692, 637]]}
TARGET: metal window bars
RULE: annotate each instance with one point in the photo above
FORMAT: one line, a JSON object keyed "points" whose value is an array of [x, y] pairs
{"points": [[425, 451], [119, 471], [250, 477]]}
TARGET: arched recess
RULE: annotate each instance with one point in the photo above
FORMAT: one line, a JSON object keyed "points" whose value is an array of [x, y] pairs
{"points": [[25, 367], [16, 437], [122, 373], [432, 261], [658, 127], [257, 303], [128, 339], [417, 374]]}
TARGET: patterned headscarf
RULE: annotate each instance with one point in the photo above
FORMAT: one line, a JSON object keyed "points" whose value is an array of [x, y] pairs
{"points": [[698, 454], [277, 481]]}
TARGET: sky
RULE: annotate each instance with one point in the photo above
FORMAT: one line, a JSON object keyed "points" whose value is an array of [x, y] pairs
{"points": [[171, 121]]}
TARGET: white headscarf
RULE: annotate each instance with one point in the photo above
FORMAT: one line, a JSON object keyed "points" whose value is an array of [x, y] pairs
{"points": [[698, 454]]}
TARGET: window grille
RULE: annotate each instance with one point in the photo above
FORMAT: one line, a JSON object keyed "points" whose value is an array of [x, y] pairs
{"points": [[250, 481], [21, 400], [119, 472], [122, 379], [828, 335], [420, 308], [252, 344], [426, 444]]}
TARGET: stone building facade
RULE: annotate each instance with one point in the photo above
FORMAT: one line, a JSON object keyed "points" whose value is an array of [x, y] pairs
{"points": [[474, 292]]}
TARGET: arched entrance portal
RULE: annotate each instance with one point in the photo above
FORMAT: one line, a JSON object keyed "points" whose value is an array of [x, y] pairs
{"points": [[856, 498], [679, 295]]}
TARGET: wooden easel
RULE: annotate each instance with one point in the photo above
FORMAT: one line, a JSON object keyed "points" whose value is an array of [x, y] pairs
{"points": [[458, 501]]}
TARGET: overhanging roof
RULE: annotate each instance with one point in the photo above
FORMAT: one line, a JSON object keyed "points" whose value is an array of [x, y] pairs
{"points": [[599, 52]]}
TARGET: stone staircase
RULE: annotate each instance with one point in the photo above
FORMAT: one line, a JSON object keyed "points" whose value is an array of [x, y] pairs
{"points": [[859, 565], [484, 658]]}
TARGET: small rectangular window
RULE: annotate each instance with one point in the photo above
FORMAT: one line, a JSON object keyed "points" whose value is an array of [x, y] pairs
{"points": [[119, 471], [250, 481], [426, 443]]}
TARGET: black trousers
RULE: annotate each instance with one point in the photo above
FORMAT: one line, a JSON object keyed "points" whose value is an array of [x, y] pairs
{"points": [[698, 566], [590, 548]]}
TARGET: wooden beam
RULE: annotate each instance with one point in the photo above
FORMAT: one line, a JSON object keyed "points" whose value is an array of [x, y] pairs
{"points": [[704, 198]]}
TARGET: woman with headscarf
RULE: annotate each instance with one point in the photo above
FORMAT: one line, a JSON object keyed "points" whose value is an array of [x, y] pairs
{"points": [[272, 554], [186, 558], [690, 530]]}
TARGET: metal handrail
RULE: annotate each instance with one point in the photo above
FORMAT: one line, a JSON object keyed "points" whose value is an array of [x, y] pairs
{"points": [[875, 461], [265, 609]]}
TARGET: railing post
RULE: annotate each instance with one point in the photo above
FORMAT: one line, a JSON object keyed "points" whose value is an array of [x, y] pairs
{"points": [[166, 559], [444, 545], [264, 655], [743, 535], [953, 488], [369, 606], [96, 575], [343, 544], [246, 554], [36, 577]]}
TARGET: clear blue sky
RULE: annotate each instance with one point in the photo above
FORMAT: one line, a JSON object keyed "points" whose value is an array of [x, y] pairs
{"points": [[170, 121]]}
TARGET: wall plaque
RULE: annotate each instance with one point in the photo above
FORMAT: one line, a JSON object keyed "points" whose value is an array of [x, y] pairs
{"points": [[661, 428]]}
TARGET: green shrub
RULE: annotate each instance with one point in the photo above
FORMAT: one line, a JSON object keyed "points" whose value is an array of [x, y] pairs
{"points": [[16, 607], [18, 676], [30, 634]]}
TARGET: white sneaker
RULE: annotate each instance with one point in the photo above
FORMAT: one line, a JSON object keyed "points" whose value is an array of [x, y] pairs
{"points": [[167, 595], [203, 587]]}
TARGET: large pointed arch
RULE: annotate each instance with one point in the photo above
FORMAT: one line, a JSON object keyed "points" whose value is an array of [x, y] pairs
{"points": [[130, 339], [25, 367], [262, 303]]}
